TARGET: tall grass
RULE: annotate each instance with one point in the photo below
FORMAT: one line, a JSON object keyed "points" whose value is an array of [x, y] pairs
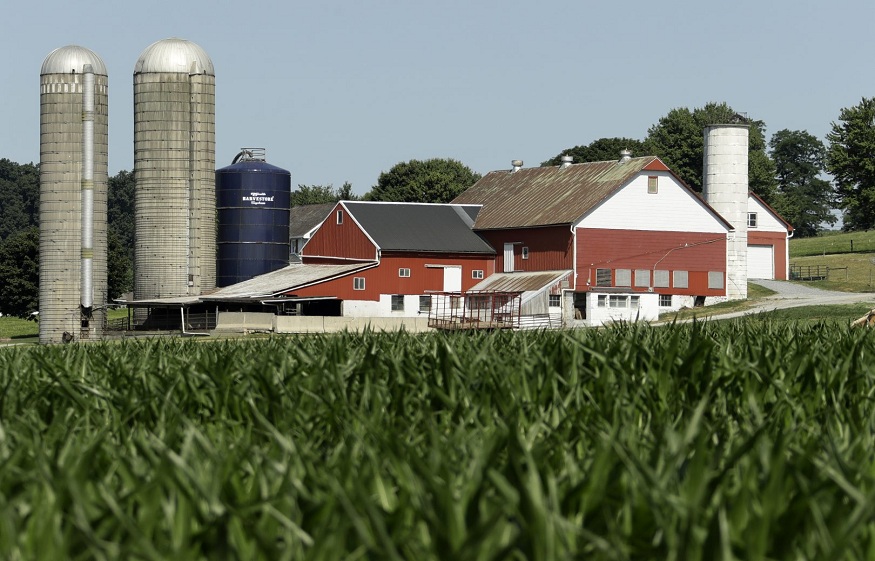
{"points": [[703, 441]]}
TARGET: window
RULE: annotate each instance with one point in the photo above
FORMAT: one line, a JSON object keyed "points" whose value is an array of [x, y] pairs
{"points": [[634, 301], [603, 277], [652, 185], [358, 283], [424, 303], [602, 300], [623, 277], [681, 279], [555, 301], [478, 302], [751, 220], [665, 300], [397, 302], [477, 274], [642, 278], [525, 252], [340, 217], [660, 279], [404, 272], [618, 301], [715, 280]]}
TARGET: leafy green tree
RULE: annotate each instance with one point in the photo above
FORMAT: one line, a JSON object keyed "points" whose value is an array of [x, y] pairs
{"points": [[851, 161], [19, 197], [678, 139], [804, 197], [120, 233], [430, 181], [119, 268], [600, 150], [320, 194], [19, 272]]}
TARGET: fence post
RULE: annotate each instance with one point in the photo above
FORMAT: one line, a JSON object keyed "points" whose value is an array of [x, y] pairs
{"points": [[852, 246]]}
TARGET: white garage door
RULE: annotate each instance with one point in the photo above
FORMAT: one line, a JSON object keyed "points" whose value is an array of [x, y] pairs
{"points": [[760, 262]]}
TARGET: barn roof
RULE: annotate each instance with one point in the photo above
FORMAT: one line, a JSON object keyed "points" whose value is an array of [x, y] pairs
{"points": [[419, 226], [304, 218], [275, 282], [548, 196]]}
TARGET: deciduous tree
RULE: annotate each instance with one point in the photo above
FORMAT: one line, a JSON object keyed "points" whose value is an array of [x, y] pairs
{"points": [[851, 161], [321, 194], [430, 181], [600, 150], [19, 272]]}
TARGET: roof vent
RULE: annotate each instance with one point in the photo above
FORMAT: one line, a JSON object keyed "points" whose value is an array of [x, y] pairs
{"points": [[567, 161], [625, 155], [517, 165]]}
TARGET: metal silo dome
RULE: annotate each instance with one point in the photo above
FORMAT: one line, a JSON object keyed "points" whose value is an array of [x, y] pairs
{"points": [[253, 208], [174, 55], [72, 59]]}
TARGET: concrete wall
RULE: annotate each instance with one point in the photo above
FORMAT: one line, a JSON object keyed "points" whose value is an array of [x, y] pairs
{"points": [[237, 322], [646, 310]]}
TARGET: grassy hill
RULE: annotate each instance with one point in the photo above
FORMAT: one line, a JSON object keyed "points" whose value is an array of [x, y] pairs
{"points": [[833, 243]]}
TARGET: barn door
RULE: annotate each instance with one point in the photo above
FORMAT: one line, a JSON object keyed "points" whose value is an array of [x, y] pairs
{"points": [[508, 258], [452, 279]]}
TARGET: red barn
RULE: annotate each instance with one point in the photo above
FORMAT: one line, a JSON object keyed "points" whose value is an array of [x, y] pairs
{"points": [[768, 241], [638, 239]]}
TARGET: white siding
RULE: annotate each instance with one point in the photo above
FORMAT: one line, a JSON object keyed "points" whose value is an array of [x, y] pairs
{"points": [[673, 208], [647, 310], [383, 308], [766, 221]]}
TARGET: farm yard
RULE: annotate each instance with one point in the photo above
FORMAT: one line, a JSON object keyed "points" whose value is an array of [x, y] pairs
{"points": [[744, 439]]}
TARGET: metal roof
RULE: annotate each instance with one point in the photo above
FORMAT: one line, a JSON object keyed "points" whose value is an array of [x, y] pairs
{"points": [[282, 280], [520, 282], [548, 195], [174, 55], [70, 59], [304, 218], [419, 226]]}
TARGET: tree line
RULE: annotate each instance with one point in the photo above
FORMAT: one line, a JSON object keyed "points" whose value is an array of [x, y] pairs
{"points": [[787, 171]]}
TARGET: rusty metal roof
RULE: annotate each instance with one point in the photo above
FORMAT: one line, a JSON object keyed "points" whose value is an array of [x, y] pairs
{"points": [[549, 195]]}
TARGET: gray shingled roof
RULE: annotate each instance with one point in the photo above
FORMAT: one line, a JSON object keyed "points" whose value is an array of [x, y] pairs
{"points": [[304, 218], [419, 226]]}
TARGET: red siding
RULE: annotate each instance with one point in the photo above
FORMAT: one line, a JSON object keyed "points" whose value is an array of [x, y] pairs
{"points": [[697, 253], [384, 278], [345, 240], [550, 249], [778, 240]]}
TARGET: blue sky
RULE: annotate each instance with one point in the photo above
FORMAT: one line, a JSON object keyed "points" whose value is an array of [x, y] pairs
{"points": [[341, 90]]}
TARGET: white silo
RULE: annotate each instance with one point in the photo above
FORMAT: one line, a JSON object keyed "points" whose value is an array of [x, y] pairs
{"points": [[73, 184], [725, 187], [174, 170]]}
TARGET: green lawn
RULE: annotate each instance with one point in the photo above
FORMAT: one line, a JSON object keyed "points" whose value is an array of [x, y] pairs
{"points": [[17, 328], [833, 243], [849, 272]]}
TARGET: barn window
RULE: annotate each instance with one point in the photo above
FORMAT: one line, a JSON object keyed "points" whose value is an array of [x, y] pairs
{"points": [[623, 277], [634, 301], [681, 279], [555, 301], [404, 272], [665, 300], [642, 277], [660, 279], [477, 274], [358, 283], [652, 185], [602, 300], [340, 217], [751, 220], [618, 301], [424, 303], [397, 302], [603, 277], [715, 280], [525, 252]]}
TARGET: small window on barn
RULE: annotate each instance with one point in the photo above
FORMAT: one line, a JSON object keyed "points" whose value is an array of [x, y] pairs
{"points": [[681, 279], [660, 279], [623, 277], [665, 300], [424, 303], [634, 301], [404, 272], [603, 277], [751, 220], [618, 301], [340, 217], [477, 274], [642, 278], [652, 185], [602, 300], [358, 283], [525, 252], [555, 301], [715, 280], [397, 302]]}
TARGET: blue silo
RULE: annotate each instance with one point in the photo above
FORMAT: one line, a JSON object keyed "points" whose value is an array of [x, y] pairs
{"points": [[253, 204]]}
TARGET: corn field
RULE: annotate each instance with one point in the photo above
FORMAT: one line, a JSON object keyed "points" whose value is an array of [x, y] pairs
{"points": [[744, 440]]}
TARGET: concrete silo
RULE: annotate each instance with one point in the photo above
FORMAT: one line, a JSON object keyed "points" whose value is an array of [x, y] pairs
{"points": [[73, 183], [174, 170], [725, 187]]}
